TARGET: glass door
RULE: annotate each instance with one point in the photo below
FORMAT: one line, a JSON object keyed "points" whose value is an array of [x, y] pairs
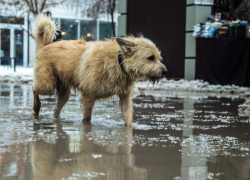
{"points": [[19, 47], [5, 46]]}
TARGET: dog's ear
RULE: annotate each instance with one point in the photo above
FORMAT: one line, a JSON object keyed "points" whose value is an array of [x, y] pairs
{"points": [[126, 46]]}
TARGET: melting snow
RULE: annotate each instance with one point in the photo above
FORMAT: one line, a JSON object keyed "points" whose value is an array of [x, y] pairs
{"points": [[96, 155], [23, 75]]}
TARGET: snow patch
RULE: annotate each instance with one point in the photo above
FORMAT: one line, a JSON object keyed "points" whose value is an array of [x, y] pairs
{"points": [[194, 85], [96, 155], [142, 126], [25, 75], [22, 74]]}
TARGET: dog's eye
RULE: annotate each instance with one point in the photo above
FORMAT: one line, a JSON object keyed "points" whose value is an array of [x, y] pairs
{"points": [[151, 58]]}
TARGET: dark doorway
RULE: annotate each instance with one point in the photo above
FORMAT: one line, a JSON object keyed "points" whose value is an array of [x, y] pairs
{"points": [[19, 46], [5, 42], [162, 21], [5, 47]]}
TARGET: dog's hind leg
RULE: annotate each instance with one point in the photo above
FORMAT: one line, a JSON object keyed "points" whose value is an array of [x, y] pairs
{"points": [[43, 84], [127, 109], [63, 93], [37, 103], [88, 103]]}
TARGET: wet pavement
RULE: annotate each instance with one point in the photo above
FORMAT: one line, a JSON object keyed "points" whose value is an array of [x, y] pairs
{"points": [[176, 135]]}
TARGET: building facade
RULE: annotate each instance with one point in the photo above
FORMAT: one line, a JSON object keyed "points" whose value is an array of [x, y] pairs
{"points": [[16, 43], [170, 25]]}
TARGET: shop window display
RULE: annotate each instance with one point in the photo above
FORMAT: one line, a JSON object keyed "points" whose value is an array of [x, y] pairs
{"points": [[69, 29], [241, 9], [88, 30], [232, 9], [105, 30], [224, 59], [229, 18]]}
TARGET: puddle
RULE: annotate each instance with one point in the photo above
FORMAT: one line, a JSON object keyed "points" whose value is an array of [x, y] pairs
{"points": [[176, 135]]}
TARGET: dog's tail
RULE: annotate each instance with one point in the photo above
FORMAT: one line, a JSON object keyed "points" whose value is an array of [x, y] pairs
{"points": [[45, 31]]}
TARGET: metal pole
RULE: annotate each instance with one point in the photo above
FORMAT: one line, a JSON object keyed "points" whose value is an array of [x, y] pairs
{"points": [[78, 29], [0, 45], [12, 45], [14, 64], [98, 30], [28, 49]]}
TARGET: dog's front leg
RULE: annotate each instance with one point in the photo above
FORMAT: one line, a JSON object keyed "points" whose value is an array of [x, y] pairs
{"points": [[127, 109], [88, 103]]}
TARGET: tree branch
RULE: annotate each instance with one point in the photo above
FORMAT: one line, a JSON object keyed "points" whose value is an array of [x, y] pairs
{"points": [[30, 5], [36, 3], [42, 6]]}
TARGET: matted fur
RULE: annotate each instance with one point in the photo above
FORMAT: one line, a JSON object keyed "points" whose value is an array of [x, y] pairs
{"points": [[93, 69]]}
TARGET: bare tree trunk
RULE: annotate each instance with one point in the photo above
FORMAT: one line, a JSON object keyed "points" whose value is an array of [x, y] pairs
{"points": [[113, 23], [112, 5], [107, 25]]}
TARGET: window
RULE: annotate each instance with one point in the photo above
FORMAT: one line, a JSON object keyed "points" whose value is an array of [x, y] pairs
{"points": [[19, 47], [69, 29], [89, 30], [11, 20], [105, 30], [5, 42]]}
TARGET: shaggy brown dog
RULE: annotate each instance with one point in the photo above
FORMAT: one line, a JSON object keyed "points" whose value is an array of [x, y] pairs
{"points": [[97, 69]]}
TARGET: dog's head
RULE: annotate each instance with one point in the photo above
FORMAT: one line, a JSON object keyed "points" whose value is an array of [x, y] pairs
{"points": [[142, 59]]}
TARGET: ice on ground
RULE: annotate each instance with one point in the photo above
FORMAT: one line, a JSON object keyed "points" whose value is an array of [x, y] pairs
{"points": [[25, 75], [96, 155], [194, 85], [141, 126], [117, 124], [244, 109]]}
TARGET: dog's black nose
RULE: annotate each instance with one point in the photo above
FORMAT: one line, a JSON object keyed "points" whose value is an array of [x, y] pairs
{"points": [[164, 71]]}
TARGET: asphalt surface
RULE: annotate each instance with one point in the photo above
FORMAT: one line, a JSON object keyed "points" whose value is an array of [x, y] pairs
{"points": [[176, 135]]}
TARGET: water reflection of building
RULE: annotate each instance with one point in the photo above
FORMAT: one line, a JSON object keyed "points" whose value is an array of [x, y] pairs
{"points": [[16, 43], [197, 150], [160, 163], [54, 157]]}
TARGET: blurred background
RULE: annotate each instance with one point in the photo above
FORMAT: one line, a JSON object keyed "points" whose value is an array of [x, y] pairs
{"points": [[91, 19], [174, 26]]}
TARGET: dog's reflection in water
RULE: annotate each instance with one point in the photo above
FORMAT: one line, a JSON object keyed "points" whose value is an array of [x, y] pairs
{"points": [[58, 158]]}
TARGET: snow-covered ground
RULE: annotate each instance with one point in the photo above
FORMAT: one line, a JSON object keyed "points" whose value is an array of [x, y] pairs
{"points": [[25, 75], [194, 85], [201, 86], [244, 109], [22, 75]]}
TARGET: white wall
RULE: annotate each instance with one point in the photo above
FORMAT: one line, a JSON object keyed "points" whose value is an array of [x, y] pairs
{"points": [[122, 18], [194, 14]]}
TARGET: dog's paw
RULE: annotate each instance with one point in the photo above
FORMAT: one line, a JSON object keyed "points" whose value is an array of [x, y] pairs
{"points": [[86, 120], [56, 114], [130, 125], [34, 113]]}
